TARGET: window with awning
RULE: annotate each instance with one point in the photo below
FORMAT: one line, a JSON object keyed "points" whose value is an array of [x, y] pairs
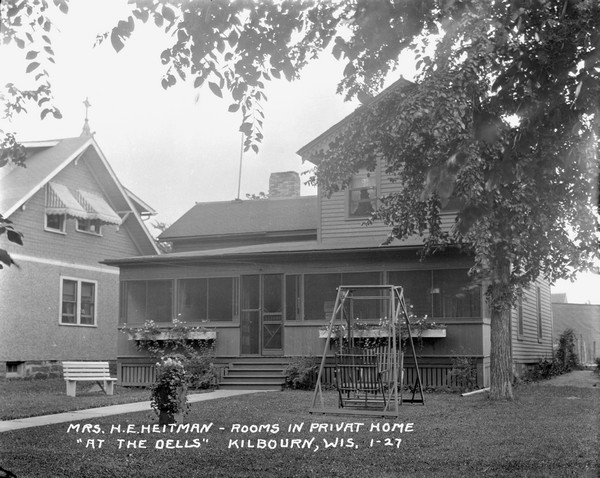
{"points": [[85, 206], [60, 201], [97, 208]]}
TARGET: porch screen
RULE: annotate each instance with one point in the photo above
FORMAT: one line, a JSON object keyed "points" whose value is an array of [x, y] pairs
{"points": [[147, 300], [439, 293], [417, 290], [192, 300], [364, 309], [320, 291], [455, 295]]}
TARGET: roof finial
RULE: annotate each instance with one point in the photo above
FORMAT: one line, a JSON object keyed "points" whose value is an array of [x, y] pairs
{"points": [[86, 127]]}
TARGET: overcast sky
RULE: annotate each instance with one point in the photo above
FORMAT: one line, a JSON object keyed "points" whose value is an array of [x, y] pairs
{"points": [[177, 147]]}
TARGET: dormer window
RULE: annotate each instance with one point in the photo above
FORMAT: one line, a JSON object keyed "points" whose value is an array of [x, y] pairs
{"points": [[91, 226], [55, 222], [362, 195]]}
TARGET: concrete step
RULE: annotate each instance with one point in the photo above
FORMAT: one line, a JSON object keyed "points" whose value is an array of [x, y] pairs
{"points": [[225, 385]]}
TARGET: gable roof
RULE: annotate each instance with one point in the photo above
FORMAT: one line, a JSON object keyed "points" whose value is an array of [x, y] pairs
{"points": [[246, 217], [339, 126], [45, 160]]}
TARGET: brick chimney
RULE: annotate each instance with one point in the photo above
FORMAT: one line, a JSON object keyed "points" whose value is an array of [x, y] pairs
{"points": [[284, 185]]}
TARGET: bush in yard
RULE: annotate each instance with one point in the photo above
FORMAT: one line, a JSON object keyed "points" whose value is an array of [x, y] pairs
{"points": [[200, 369], [169, 391], [300, 373], [566, 354], [463, 374]]}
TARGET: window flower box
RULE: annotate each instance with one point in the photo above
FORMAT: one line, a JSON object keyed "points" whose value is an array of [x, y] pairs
{"points": [[166, 335], [439, 332]]}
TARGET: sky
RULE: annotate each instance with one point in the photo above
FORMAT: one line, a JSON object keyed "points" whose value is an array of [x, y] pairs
{"points": [[180, 146]]}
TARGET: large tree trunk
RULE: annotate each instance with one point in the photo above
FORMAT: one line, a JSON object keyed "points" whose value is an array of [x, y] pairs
{"points": [[501, 375]]}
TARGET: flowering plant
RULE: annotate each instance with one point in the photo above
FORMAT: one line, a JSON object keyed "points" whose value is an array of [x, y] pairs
{"points": [[169, 391], [178, 333]]}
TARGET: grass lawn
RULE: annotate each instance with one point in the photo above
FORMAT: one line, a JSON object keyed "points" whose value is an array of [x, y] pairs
{"points": [[546, 431], [26, 398]]}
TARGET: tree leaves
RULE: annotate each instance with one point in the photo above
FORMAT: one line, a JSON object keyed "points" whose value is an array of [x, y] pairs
{"points": [[32, 66], [215, 89]]}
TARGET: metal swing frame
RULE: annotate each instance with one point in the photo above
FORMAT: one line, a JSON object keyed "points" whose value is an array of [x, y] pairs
{"points": [[362, 374]]}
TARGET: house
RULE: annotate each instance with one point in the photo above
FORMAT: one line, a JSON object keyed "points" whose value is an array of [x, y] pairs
{"points": [[263, 275], [584, 319], [59, 302]]}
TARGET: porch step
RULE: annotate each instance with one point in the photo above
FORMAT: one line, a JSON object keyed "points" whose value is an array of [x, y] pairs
{"points": [[255, 374]]}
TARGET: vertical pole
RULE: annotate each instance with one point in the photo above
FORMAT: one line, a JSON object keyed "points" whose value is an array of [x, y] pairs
{"points": [[240, 171]]}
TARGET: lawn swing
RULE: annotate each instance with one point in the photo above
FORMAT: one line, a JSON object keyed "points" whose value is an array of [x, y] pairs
{"points": [[368, 379]]}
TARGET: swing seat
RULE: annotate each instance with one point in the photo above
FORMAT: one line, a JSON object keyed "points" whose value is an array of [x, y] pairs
{"points": [[358, 380]]}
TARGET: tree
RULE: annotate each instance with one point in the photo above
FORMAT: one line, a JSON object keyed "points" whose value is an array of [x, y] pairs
{"points": [[27, 25], [504, 117]]}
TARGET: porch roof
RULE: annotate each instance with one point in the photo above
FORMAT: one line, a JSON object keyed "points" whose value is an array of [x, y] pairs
{"points": [[273, 250], [226, 218]]}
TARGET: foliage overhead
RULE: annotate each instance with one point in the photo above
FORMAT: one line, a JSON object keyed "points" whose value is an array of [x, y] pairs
{"points": [[504, 115], [28, 25]]}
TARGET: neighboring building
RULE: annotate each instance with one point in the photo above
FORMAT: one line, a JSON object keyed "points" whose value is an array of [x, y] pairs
{"points": [[584, 319], [264, 273], [58, 302]]}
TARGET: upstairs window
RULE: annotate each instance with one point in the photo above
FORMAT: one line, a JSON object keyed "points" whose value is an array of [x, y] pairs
{"points": [[55, 222], [91, 226], [362, 195], [78, 302]]}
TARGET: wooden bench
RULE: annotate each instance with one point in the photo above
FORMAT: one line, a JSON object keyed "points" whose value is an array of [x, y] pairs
{"points": [[88, 372]]}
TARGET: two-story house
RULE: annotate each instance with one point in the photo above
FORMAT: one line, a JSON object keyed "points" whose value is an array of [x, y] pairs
{"points": [[58, 302], [263, 275]]}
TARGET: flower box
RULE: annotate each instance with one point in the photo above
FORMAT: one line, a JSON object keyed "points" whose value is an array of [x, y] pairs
{"points": [[374, 333], [166, 335]]}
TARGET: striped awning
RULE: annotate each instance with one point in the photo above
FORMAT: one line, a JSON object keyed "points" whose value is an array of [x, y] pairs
{"points": [[97, 208], [59, 200]]}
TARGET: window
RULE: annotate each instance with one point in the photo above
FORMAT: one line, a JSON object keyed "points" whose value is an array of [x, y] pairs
{"points": [[220, 298], [364, 309], [320, 291], [55, 222], [192, 299], [362, 195], [416, 286], [454, 295], [293, 297], [520, 318], [92, 226], [539, 312], [146, 300], [207, 299], [78, 302], [439, 293]]}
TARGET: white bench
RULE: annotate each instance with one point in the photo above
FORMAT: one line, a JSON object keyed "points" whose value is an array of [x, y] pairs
{"points": [[88, 372]]}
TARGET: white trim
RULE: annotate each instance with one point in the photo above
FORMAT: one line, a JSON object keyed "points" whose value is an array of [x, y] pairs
{"points": [[63, 230], [78, 281], [47, 179], [53, 262]]}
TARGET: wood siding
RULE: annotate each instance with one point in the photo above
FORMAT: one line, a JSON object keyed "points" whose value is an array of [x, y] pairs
{"points": [[530, 348], [337, 225], [74, 246]]}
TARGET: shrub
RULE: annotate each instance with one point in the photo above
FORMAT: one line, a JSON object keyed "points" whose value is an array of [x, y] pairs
{"points": [[566, 354], [463, 374], [300, 373], [169, 391], [200, 369]]}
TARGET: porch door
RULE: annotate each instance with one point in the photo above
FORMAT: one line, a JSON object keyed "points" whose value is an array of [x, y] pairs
{"points": [[261, 314]]}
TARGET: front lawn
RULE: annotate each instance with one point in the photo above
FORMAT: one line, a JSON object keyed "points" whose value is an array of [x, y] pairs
{"points": [[27, 398], [547, 431]]}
